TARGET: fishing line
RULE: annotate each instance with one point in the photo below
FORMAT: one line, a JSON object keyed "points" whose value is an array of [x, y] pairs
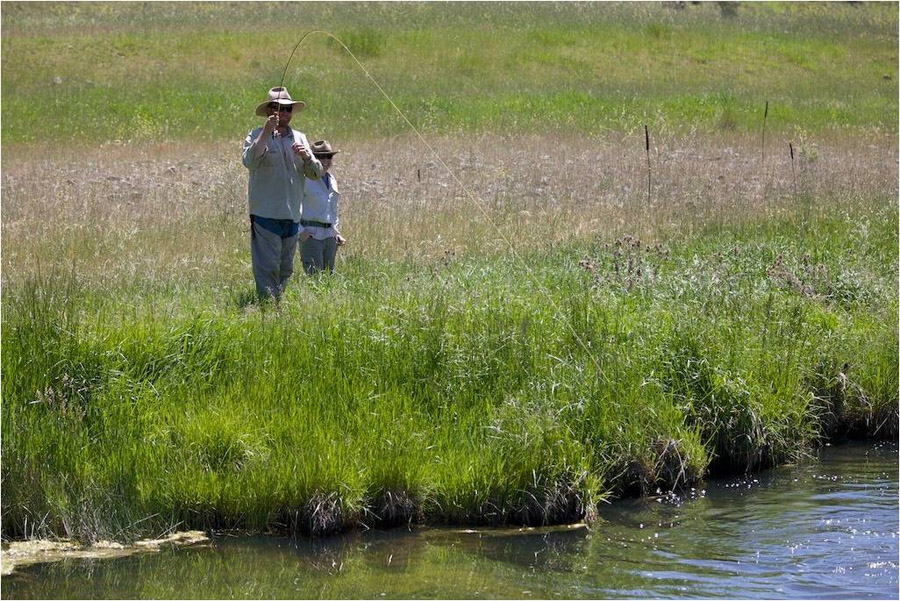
{"points": [[471, 197]]}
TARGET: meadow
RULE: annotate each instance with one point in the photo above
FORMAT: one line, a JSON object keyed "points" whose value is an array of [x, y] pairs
{"points": [[550, 335], [159, 71]]}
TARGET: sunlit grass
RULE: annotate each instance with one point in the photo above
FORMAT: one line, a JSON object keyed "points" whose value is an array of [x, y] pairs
{"points": [[589, 68], [467, 388]]}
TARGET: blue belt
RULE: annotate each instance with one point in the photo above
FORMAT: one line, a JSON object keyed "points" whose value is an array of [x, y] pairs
{"points": [[281, 227]]}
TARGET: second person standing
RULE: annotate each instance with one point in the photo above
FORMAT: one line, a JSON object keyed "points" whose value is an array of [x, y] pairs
{"points": [[319, 235]]}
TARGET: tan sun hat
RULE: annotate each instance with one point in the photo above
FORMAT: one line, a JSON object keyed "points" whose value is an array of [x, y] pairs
{"points": [[321, 148], [281, 96]]}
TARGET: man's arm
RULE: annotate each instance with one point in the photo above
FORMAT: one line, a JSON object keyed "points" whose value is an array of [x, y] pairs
{"points": [[255, 145], [311, 166], [252, 145]]}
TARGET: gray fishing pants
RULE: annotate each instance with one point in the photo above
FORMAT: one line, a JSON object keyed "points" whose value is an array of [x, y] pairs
{"points": [[318, 255], [273, 260]]}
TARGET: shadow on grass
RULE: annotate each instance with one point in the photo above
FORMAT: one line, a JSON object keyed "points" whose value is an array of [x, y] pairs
{"points": [[249, 299]]}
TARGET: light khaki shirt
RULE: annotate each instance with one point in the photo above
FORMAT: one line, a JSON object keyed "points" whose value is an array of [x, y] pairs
{"points": [[277, 177]]}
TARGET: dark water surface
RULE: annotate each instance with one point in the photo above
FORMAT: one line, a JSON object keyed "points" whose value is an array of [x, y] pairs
{"points": [[824, 529]]}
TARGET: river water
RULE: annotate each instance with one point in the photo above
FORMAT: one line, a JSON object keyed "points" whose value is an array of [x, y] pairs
{"points": [[827, 528]]}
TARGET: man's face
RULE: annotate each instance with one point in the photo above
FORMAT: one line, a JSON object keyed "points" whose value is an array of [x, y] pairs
{"points": [[283, 110]]}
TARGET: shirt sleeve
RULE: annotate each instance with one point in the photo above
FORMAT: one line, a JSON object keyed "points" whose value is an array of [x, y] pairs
{"points": [[334, 188], [250, 147], [313, 168]]}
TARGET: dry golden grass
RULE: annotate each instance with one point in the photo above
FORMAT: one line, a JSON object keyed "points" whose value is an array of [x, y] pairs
{"points": [[176, 212]]}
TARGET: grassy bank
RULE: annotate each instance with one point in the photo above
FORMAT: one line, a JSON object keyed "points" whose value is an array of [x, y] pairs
{"points": [[168, 71], [454, 391]]}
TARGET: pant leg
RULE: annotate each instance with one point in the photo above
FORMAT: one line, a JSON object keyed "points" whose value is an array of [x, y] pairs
{"points": [[288, 249], [312, 255], [265, 253], [328, 253]]}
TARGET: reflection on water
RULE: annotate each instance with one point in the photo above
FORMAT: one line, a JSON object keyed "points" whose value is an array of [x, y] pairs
{"points": [[826, 529]]}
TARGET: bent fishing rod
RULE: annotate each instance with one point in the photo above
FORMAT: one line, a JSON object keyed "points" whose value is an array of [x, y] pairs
{"points": [[468, 194]]}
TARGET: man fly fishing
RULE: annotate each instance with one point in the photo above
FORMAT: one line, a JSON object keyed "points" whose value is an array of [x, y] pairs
{"points": [[279, 160]]}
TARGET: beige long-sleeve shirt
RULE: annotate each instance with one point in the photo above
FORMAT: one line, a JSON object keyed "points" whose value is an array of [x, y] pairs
{"points": [[278, 176]]}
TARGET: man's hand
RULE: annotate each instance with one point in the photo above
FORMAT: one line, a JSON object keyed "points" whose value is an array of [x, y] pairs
{"points": [[304, 236], [261, 142], [340, 240], [301, 151], [270, 125]]}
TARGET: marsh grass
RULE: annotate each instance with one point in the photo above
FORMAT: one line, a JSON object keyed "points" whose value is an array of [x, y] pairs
{"points": [[111, 213], [437, 377]]}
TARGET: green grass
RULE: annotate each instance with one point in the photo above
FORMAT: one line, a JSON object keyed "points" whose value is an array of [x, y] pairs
{"points": [[458, 393], [166, 71]]}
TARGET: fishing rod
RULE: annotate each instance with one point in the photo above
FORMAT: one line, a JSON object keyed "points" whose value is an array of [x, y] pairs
{"points": [[468, 194]]}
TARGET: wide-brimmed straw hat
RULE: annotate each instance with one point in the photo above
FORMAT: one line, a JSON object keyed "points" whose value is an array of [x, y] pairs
{"points": [[281, 96], [321, 148]]}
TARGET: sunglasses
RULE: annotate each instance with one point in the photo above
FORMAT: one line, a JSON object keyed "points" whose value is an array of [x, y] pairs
{"points": [[284, 108]]}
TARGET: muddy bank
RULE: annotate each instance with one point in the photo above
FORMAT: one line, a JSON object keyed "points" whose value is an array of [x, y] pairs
{"points": [[24, 553]]}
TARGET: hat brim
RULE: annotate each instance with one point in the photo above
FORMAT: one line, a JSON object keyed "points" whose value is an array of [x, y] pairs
{"points": [[325, 155], [299, 105]]}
